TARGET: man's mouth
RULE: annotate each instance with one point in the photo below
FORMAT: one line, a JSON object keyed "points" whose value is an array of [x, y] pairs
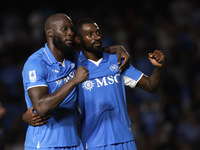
{"points": [[97, 43], [69, 40]]}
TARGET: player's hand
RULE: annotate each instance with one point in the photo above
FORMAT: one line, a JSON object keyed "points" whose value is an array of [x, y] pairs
{"points": [[157, 58], [33, 118], [81, 74], [122, 54]]}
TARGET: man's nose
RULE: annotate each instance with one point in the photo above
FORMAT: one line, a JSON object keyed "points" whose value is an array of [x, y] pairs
{"points": [[70, 32], [97, 37]]}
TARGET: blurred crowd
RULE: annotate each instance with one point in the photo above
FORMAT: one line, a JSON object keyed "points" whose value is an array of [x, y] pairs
{"points": [[166, 120]]}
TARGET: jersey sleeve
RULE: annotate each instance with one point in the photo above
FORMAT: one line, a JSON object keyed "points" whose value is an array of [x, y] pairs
{"points": [[131, 76], [33, 74]]}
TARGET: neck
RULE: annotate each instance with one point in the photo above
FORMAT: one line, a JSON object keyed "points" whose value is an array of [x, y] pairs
{"points": [[92, 56]]}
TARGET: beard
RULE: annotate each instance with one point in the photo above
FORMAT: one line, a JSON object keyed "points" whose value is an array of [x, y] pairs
{"points": [[68, 51], [61, 45], [97, 51]]}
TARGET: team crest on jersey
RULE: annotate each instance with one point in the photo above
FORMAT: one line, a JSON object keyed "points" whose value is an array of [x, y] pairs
{"points": [[88, 85], [32, 76], [114, 67]]}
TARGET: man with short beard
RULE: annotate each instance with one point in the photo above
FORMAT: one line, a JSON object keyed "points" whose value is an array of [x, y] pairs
{"points": [[105, 123]]}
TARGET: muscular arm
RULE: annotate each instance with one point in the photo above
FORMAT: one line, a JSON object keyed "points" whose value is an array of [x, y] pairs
{"points": [[45, 103], [152, 83]]}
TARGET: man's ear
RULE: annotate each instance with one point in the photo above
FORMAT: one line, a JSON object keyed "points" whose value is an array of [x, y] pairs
{"points": [[49, 33]]}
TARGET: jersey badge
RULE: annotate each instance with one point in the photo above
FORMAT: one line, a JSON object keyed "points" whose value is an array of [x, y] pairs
{"points": [[114, 67], [32, 76]]}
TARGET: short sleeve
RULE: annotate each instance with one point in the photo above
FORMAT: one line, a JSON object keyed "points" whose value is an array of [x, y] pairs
{"points": [[131, 76], [33, 74]]}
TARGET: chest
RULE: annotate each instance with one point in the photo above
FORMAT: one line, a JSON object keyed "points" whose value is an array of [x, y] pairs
{"points": [[101, 83], [57, 75]]}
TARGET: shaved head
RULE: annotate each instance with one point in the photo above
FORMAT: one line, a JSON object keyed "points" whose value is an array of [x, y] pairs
{"points": [[59, 32], [53, 19]]}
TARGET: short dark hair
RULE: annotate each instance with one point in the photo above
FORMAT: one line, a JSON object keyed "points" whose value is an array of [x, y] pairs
{"points": [[79, 23]]}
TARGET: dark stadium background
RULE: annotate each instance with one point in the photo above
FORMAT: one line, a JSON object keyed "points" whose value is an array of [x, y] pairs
{"points": [[166, 120]]}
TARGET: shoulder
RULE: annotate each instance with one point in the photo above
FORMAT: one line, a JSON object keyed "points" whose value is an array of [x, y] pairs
{"points": [[111, 57], [37, 56], [36, 59]]}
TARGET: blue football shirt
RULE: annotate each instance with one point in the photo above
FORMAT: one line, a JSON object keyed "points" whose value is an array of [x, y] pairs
{"points": [[102, 102], [42, 69]]}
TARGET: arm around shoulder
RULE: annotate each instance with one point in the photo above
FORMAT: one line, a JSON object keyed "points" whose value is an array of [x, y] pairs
{"points": [[122, 54]]}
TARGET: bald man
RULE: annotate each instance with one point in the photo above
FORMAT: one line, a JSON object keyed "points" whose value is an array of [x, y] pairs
{"points": [[50, 78]]}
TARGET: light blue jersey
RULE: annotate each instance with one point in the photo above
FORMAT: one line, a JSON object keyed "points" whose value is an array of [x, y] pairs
{"points": [[102, 102], [42, 69]]}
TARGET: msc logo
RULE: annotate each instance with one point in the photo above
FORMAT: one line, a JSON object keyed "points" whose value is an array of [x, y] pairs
{"points": [[99, 82], [88, 85]]}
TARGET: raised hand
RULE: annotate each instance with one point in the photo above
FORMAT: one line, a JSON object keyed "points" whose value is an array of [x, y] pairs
{"points": [[157, 58]]}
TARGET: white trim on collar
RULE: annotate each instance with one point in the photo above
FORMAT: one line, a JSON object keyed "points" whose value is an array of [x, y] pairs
{"points": [[96, 62], [47, 55], [63, 63]]}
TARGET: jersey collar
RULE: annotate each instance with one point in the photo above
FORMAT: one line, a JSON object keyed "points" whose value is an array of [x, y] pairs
{"points": [[49, 55], [82, 58]]}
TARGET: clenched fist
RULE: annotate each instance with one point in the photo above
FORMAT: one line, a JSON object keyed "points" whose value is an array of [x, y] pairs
{"points": [[81, 74], [157, 58]]}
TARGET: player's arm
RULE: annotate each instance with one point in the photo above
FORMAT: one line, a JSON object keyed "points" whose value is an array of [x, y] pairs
{"points": [[44, 103], [121, 54], [152, 83]]}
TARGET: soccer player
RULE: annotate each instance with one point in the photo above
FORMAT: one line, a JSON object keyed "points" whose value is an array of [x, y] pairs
{"points": [[105, 123], [50, 78]]}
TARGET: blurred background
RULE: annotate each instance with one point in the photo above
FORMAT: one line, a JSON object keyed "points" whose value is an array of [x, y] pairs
{"points": [[166, 120]]}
